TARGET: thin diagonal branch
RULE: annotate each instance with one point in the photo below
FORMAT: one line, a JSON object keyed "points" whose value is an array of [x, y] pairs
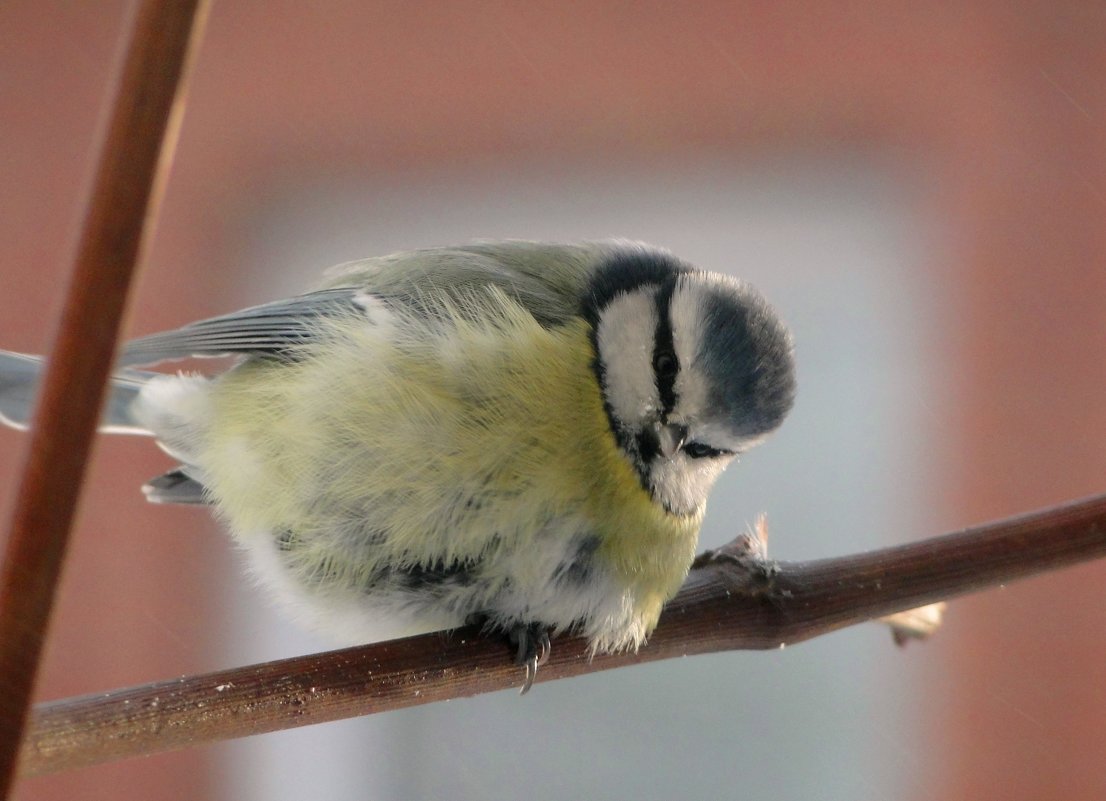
{"points": [[733, 599], [124, 195]]}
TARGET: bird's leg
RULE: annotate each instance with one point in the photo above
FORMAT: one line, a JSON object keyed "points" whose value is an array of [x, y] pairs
{"points": [[531, 641]]}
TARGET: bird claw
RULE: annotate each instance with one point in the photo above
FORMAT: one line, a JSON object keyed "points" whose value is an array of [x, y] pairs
{"points": [[532, 650]]}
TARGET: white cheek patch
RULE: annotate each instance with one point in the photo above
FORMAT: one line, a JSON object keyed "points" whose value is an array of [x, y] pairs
{"points": [[627, 328]]}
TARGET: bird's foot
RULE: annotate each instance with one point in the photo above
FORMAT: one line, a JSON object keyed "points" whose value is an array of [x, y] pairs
{"points": [[531, 641]]}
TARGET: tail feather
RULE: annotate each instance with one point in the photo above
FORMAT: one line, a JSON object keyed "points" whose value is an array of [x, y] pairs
{"points": [[19, 379], [176, 486]]}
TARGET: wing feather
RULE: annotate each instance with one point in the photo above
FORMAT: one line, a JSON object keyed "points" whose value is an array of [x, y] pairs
{"points": [[547, 279], [272, 330]]}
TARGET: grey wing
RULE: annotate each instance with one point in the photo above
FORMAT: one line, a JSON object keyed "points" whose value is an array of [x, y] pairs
{"points": [[547, 279], [269, 331]]}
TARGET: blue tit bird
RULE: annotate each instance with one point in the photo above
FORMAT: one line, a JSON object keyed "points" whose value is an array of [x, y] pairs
{"points": [[519, 433]]}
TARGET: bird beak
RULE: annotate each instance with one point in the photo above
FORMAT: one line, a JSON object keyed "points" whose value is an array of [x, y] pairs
{"points": [[670, 437]]}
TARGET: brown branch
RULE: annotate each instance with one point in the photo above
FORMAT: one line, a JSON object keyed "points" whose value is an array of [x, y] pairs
{"points": [[123, 199], [733, 599]]}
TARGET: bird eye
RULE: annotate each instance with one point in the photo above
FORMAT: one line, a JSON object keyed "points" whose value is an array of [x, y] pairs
{"points": [[697, 450], [664, 363]]}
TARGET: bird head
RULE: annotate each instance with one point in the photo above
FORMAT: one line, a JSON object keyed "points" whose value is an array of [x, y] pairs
{"points": [[694, 368]]}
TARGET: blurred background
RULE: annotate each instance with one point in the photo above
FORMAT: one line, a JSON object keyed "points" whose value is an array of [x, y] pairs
{"points": [[920, 189]]}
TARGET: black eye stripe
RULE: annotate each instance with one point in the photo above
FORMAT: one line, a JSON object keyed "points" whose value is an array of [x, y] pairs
{"points": [[665, 363], [699, 450]]}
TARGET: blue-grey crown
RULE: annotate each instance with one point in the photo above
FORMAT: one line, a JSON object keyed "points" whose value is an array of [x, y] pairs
{"points": [[747, 356]]}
